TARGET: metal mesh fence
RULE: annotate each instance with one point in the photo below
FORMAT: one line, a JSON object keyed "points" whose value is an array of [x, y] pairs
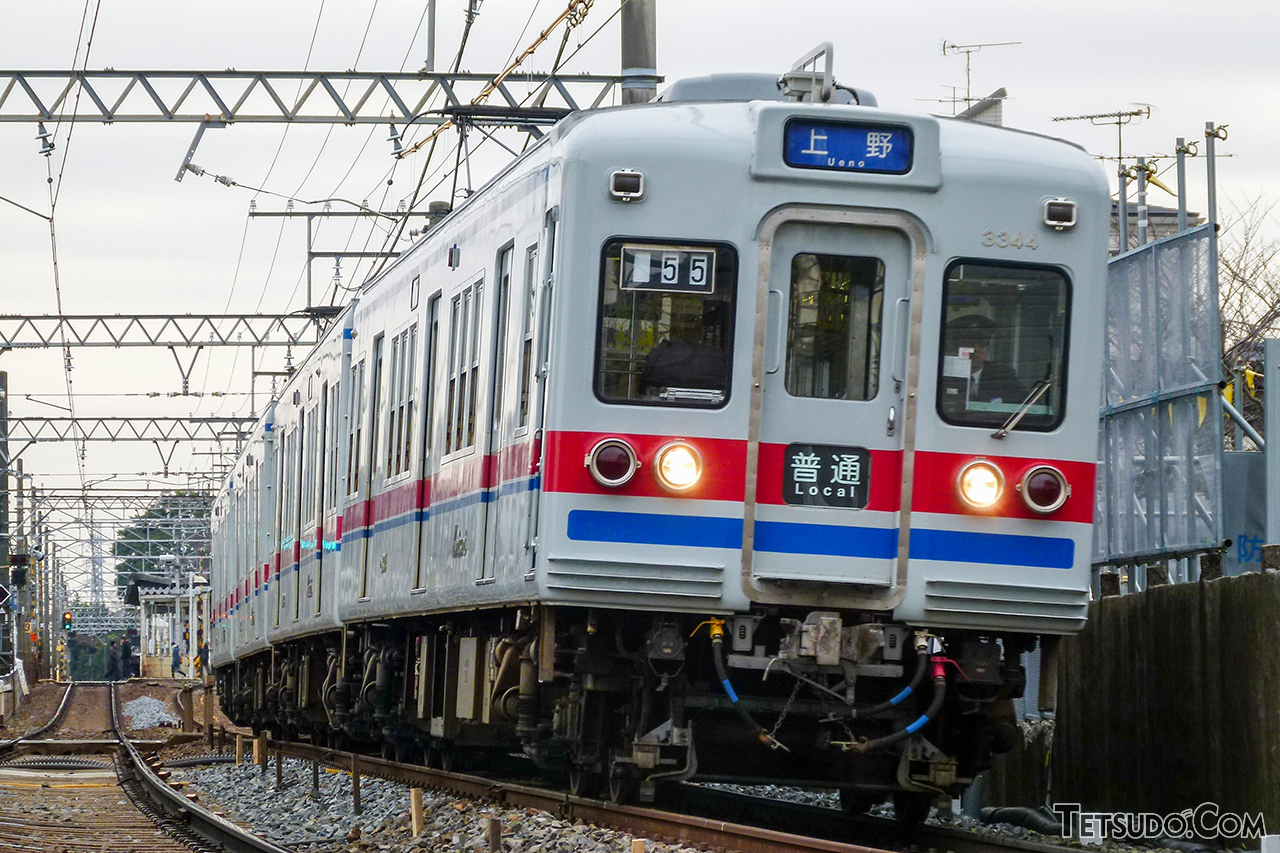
{"points": [[1160, 449]]}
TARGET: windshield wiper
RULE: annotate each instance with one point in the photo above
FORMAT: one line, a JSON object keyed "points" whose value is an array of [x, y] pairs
{"points": [[1036, 393]]}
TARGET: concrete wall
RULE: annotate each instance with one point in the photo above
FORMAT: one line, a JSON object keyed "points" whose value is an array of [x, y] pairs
{"points": [[1171, 698]]}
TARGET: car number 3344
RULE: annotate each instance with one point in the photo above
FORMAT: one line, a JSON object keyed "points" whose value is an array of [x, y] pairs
{"points": [[1005, 240]]}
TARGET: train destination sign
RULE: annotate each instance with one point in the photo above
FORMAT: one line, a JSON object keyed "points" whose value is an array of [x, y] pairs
{"points": [[678, 269], [881, 148], [826, 475]]}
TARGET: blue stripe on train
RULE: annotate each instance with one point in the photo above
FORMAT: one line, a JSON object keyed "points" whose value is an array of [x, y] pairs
{"points": [[996, 549], [638, 528], [453, 504], [778, 537], [642, 528]]}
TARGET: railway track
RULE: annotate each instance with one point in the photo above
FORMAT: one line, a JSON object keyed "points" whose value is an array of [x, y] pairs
{"points": [[119, 796], [707, 819], [7, 746], [106, 797]]}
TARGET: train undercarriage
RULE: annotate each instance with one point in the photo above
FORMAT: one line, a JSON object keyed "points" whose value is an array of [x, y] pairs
{"points": [[617, 703]]}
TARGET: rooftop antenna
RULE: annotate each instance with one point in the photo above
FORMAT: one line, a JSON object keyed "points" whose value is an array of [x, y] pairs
{"points": [[1119, 118], [969, 50]]}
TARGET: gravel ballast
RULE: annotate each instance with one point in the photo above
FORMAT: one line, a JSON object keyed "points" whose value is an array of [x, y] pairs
{"points": [[292, 818], [147, 712]]}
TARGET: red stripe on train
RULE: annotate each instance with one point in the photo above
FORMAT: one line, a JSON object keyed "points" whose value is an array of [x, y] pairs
{"points": [[935, 486], [723, 461]]}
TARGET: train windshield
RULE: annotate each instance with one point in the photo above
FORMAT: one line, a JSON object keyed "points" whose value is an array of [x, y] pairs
{"points": [[1003, 345], [665, 334]]}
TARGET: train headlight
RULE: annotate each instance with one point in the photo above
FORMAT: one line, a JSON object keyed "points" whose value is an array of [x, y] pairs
{"points": [[677, 466], [612, 462], [1044, 489], [980, 484]]}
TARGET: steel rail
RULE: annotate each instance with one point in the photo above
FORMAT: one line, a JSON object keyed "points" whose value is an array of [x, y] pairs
{"points": [[58, 716], [691, 830], [198, 819], [805, 829]]}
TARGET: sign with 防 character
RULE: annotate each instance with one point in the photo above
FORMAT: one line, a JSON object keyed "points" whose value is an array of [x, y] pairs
{"points": [[826, 475], [841, 147], [680, 269]]}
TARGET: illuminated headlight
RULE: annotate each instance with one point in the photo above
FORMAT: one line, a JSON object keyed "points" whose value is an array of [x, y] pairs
{"points": [[1044, 489], [612, 462], [677, 466], [980, 484]]}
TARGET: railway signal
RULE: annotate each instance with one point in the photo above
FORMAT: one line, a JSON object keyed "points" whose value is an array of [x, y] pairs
{"points": [[66, 620]]}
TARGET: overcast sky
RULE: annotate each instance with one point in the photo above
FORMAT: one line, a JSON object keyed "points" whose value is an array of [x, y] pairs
{"points": [[131, 239]]}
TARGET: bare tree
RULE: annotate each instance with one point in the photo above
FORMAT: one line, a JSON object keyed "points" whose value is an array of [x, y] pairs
{"points": [[1248, 289]]}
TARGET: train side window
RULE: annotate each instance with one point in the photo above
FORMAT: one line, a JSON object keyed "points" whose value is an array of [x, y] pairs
{"points": [[503, 290], [400, 400], [335, 395], [433, 348], [407, 397], [464, 368], [456, 324], [833, 326], [665, 333], [355, 428], [395, 368], [304, 507], [474, 364], [1004, 345], [526, 337], [377, 409]]}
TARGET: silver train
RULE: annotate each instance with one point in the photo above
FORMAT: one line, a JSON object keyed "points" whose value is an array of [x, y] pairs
{"points": [[735, 436]]}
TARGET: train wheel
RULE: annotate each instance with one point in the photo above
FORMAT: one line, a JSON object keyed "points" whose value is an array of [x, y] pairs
{"points": [[388, 751], [583, 782], [624, 788], [450, 760], [910, 808]]}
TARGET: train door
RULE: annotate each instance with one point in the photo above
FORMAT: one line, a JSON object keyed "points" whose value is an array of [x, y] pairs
{"points": [[426, 458], [829, 471], [533, 369], [494, 438]]}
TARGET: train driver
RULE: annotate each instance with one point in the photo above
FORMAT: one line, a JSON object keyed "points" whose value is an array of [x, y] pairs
{"points": [[989, 381]]}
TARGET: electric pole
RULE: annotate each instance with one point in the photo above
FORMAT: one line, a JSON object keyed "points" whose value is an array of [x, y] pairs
{"points": [[639, 51], [8, 623]]}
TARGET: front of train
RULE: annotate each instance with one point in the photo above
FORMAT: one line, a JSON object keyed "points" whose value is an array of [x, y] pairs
{"points": [[832, 474]]}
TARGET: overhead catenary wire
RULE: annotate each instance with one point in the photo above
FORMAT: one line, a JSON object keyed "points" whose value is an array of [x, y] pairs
{"points": [[54, 191], [575, 13], [333, 196]]}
